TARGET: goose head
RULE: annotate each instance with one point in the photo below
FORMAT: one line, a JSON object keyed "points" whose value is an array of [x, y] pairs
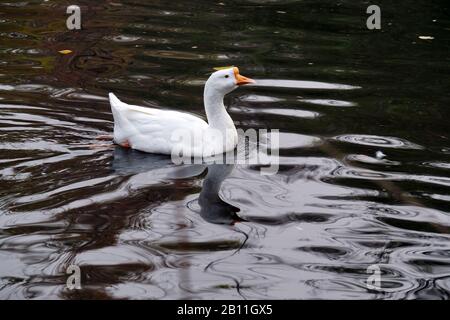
{"points": [[226, 80]]}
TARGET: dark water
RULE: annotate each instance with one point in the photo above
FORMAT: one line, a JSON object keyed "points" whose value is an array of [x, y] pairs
{"points": [[141, 227]]}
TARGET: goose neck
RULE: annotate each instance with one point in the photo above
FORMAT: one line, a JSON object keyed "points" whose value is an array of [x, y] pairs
{"points": [[216, 113]]}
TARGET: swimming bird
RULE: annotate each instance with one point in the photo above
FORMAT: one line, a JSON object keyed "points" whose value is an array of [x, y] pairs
{"points": [[172, 132]]}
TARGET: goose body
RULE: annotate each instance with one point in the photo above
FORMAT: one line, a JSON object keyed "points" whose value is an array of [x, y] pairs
{"points": [[172, 132]]}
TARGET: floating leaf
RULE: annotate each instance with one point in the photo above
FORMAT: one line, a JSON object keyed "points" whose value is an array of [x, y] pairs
{"points": [[222, 68], [66, 51]]}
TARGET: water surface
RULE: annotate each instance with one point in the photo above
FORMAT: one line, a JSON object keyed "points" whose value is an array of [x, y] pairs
{"points": [[142, 228]]}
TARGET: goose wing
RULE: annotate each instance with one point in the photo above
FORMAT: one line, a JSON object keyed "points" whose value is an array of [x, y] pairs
{"points": [[149, 126]]}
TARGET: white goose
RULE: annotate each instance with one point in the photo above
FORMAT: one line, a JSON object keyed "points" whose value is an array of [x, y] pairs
{"points": [[168, 132]]}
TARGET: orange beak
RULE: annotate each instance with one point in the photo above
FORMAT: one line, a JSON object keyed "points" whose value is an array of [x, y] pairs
{"points": [[240, 80]]}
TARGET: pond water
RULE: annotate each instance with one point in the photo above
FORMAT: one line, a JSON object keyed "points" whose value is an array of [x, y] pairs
{"points": [[364, 179]]}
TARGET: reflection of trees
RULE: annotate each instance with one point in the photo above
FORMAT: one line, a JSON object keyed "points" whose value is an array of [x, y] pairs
{"points": [[99, 224]]}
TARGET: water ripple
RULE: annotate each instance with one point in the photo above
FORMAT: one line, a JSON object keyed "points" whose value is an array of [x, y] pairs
{"points": [[378, 141]]}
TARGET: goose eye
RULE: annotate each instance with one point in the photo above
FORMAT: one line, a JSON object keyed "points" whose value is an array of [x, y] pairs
{"points": [[226, 76]]}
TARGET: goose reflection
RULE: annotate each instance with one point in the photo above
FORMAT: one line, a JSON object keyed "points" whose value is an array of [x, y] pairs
{"points": [[150, 166], [212, 208]]}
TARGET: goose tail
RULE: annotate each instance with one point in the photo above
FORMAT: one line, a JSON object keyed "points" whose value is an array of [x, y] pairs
{"points": [[114, 101], [119, 110]]}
